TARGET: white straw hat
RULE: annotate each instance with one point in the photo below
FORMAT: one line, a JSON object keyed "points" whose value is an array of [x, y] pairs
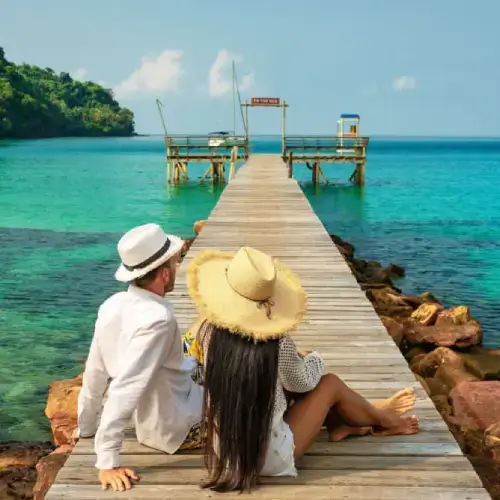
{"points": [[143, 249], [247, 292]]}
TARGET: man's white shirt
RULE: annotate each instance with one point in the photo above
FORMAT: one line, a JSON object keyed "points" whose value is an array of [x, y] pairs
{"points": [[137, 344]]}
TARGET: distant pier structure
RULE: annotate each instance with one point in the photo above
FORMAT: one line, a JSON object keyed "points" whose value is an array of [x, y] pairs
{"points": [[347, 146], [221, 150]]}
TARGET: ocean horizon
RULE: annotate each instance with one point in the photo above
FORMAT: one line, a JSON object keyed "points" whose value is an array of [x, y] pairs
{"points": [[429, 205]]}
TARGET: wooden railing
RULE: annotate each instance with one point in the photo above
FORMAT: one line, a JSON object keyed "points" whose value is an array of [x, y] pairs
{"points": [[201, 142], [324, 142]]}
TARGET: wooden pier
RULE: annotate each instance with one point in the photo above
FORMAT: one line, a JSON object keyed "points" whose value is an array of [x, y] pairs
{"points": [[182, 150], [317, 150], [262, 207]]}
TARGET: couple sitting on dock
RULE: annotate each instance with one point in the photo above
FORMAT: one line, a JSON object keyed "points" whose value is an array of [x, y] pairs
{"points": [[243, 392]]}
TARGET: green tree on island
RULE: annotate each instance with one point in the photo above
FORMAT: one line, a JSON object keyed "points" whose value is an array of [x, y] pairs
{"points": [[36, 102]]}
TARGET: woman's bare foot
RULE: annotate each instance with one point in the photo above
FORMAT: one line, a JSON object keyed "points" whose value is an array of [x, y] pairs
{"points": [[398, 404], [409, 425], [402, 402], [344, 431]]}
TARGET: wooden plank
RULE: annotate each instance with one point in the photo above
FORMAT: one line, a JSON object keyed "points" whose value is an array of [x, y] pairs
{"points": [[261, 207], [366, 462], [297, 492], [355, 447], [330, 477]]}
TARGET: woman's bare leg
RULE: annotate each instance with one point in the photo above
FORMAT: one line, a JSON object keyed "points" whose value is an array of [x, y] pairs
{"points": [[307, 415], [401, 402]]}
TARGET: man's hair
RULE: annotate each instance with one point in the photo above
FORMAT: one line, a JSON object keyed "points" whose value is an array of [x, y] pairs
{"points": [[148, 278]]}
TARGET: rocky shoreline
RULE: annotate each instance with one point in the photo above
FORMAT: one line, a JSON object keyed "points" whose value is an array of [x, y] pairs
{"points": [[442, 346]]}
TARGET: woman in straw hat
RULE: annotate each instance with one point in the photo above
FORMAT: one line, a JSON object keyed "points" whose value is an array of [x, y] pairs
{"points": [[251, 303]]}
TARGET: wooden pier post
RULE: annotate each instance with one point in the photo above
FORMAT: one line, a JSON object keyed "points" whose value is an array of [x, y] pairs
{"points": [[315, 173], [290, 165], [358, 176], [234, 158]]}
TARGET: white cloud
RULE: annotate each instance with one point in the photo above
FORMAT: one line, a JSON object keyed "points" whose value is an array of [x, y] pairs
{"points": [[79, 74], [404, 83], [219, 75], [155, 75]]}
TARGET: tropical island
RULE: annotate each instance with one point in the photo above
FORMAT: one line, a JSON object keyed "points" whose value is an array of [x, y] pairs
{"points": [[39, 103]]}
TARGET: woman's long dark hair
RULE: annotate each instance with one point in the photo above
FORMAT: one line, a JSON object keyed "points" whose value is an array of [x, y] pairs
{"points": [[240, 386]]}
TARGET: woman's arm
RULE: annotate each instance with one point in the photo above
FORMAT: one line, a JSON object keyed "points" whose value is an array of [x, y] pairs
{"points": [[298, 372]]}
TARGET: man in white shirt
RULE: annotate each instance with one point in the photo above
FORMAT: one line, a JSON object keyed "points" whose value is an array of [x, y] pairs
{"points": [[137, 346]]}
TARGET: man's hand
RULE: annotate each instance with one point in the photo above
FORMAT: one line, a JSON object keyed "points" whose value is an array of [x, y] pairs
{"points": [[118, 479], [303, 354]]}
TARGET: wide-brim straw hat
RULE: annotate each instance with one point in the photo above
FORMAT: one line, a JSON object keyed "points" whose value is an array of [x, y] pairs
{"points": [[143, 249], [247, 292]]}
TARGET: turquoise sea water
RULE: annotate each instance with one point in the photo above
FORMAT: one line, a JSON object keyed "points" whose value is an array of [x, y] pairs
{"points": [[432, 206]]}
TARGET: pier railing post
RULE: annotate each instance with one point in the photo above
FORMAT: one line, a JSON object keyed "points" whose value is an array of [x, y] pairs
{"points": [[290, 165]]}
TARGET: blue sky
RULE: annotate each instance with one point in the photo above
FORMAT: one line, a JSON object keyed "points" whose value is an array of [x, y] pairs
{"points": [[407, 67]]}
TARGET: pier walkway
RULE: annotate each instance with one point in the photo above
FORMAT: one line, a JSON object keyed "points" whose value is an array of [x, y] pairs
{"points": [[265, 209]]}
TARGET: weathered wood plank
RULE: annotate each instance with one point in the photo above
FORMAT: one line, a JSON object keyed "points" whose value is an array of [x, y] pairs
{"points": [[297, 492], [158, 474], [367, 462]]}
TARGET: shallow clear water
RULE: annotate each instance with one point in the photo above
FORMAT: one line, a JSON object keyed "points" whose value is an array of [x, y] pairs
{"points": [[432, 206]]}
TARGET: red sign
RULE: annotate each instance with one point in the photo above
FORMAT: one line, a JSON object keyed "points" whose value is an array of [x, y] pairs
{"points": [[265, 101]]}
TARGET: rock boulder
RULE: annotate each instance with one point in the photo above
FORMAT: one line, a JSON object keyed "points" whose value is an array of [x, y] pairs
{"points": [[61, 410], [476, 405]]}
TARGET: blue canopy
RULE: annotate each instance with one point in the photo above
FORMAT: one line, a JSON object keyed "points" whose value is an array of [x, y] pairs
{"points": [[349, 115]]}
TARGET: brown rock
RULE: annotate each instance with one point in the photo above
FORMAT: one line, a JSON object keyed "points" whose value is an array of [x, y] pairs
{"points": [[426, 314], [442, 405], [476, 405], [436, 387], [16, 483], [395, 271], [452, 375], [47, 469], [385, 295], [394, 329], [414, 301], [428, 365], [445, 335], [61, 409], [483, 363], [17, 454], [459, 315], [387, 302], [414, 356], [198, 226], [393, 310], [186, 246], [359, 265], [492, 441], [428, 297], [345, 248]]}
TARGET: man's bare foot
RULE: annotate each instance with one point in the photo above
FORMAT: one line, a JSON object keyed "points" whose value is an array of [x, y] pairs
{"points": [[402, 402], [409, 425]]}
